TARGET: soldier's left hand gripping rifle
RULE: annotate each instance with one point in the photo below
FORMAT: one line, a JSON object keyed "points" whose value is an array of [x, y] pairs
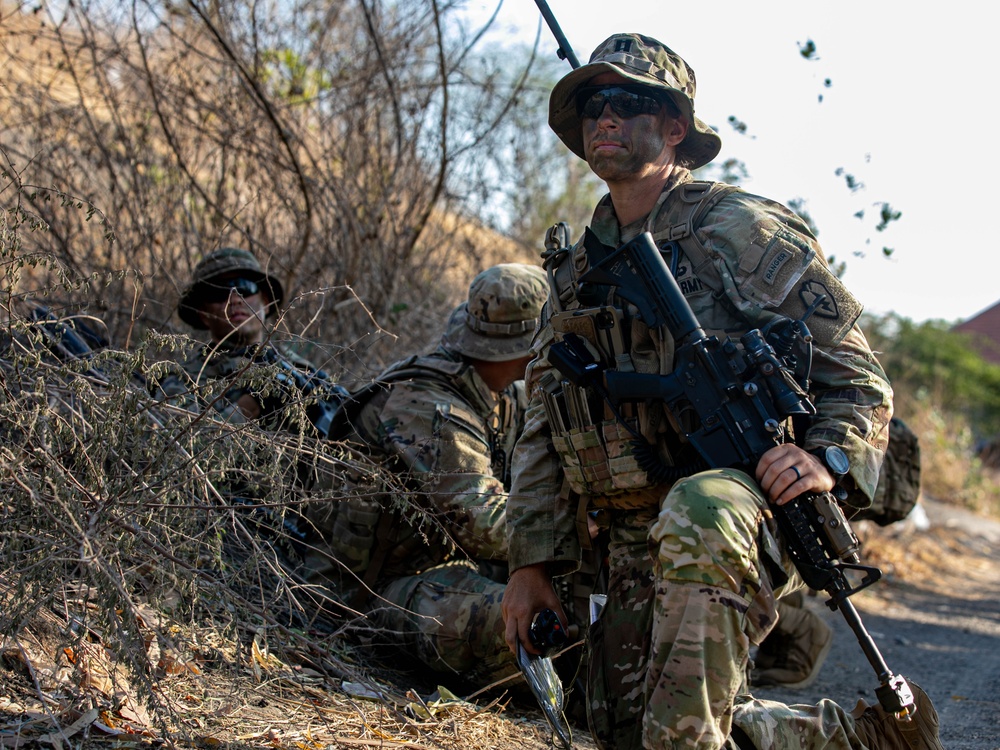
{"points": [[742, 394]]}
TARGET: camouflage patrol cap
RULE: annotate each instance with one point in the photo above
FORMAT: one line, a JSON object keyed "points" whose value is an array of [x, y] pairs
{"points": [[640, 59], [225, 261], [498, 321]]}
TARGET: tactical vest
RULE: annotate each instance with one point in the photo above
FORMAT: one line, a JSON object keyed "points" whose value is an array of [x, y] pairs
{"points": [[628, 459], [362, 529], [603, 454]]}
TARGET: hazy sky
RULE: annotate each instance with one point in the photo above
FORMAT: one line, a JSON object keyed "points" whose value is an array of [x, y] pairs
{"points": [[905, 112]]}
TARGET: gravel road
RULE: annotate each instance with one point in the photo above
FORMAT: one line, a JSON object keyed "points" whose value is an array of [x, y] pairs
{"points": [[936, 620]]}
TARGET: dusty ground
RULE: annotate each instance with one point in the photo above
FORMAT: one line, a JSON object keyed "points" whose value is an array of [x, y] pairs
{"points": [[935, 618]]}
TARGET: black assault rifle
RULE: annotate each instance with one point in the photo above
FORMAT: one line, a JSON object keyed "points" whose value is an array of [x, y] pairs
{"points": [[324, 398], [741, 395]]}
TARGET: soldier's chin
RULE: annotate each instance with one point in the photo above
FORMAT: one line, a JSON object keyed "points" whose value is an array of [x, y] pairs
{"points": [[610, 167], [248, 330]]}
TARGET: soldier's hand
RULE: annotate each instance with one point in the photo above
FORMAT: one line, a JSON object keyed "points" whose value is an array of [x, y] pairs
{"points": [[786, 471], [249, 406], [528, 592]]}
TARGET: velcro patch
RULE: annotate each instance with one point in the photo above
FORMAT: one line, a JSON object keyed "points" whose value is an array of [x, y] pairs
{"points": [[750, 258], [464, 418], [777, 269], [830, 307]]}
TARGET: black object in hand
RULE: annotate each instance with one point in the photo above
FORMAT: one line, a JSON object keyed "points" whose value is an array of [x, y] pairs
{"points": [[547, 634]]}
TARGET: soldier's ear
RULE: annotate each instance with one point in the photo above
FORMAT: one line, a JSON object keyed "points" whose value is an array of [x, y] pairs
{"points": [[675, 129], [270, 307]]}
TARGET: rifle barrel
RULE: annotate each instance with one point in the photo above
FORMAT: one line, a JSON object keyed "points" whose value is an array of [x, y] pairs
{"points": [[565, 51]]}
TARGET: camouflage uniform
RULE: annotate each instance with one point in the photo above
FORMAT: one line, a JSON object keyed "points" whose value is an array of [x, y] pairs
{"points": [[695, 566], [290, 394], [218, 374], [437, 425]]}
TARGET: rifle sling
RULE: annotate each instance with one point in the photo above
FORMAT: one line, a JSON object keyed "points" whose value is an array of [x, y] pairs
{"points": [[696, 200]]}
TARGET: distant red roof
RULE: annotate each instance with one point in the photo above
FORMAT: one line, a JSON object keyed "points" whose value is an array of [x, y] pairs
{"points": [[985, 330]]}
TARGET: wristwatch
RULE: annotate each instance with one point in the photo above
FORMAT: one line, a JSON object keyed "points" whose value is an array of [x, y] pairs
{"points": [[837, 463], [834, 459]]}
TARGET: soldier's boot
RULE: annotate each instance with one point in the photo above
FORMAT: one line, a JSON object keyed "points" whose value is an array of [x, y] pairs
{"points": [[879, 730], [793, 653]]}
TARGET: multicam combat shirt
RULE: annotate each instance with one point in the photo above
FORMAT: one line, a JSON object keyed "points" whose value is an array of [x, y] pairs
{"points": [[764, 262]]}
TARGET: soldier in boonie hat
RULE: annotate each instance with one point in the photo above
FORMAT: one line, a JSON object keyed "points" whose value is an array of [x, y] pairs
{"points": [[642, 60], [498, 320], [445, 422], [214, 275], [231, 296], [738, 258]]}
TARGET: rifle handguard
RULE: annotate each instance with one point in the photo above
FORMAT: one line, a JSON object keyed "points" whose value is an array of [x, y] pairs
{"points": [[822, 545]]}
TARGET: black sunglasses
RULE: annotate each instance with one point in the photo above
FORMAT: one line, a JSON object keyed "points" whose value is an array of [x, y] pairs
{"points": [[219, 291], [625, 99]]}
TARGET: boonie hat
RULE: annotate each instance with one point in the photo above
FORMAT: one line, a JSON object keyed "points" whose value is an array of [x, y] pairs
{"points": [[499, 319], [227, 260], [640, 59]]}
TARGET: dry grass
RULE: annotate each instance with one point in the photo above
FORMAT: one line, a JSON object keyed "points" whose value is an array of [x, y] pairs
{"points": [[212, 690], [951, 470], [140, 605], [138, 608]]}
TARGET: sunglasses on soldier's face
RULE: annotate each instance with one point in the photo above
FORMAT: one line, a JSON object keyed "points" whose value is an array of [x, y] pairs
{"points": [[625, 99], [219, 290]]}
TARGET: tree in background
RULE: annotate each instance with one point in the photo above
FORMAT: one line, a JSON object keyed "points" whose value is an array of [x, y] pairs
{"points": [[339, 138], [950, 395], [931, 363]]}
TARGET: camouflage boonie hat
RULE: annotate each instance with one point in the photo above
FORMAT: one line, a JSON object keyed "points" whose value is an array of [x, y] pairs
{"points": [[644, 60], [498, 321], [227, 260]]}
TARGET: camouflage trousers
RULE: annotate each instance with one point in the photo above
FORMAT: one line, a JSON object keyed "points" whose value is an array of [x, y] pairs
{"points": [[449, 618], [690, 589]]}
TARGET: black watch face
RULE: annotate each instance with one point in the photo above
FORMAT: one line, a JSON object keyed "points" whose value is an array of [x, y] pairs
{"points": [[836, 460]]}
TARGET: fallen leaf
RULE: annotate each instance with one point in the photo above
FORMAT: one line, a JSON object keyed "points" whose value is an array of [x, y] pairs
{"points": [[61, 735]]}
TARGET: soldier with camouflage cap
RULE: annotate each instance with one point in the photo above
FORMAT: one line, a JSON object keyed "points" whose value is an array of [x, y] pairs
{"points": [[696, 565], [445, 424], [241, 372]]}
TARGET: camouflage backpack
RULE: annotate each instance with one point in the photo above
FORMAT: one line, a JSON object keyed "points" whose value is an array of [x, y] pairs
{"points": [[357, 533], [899, 481]]}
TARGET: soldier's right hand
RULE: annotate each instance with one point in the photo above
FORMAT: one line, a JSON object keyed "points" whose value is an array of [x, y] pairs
{"points": [[528, 592], [786, 471]]}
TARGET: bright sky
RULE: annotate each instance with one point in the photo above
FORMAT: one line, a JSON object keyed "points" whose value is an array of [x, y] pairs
{"points": [[907, 114]]}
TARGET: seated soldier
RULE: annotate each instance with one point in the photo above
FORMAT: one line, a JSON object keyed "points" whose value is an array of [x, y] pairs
{"points": [[231, 297], [445, 425]]}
